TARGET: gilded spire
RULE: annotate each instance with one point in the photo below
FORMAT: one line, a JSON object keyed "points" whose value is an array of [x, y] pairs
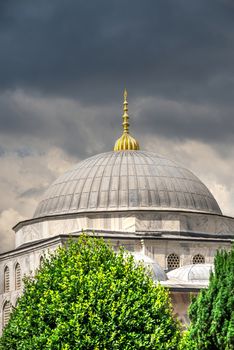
{"points": [[126, 141], [125, 115]]}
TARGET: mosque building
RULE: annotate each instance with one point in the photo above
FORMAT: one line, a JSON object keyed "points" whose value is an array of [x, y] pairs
{"points": [[156, 208]]}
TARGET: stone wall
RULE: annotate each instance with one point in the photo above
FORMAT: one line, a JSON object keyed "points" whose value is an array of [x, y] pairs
{"points": [[138, 222]]}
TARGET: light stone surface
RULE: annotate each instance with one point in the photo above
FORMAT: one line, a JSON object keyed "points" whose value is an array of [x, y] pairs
{"points": [[180, 303], [157, 271], [126, 180], [195, 273], [159, 250], [138, 222]]}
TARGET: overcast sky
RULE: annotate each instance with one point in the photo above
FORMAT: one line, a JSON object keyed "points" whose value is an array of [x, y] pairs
{"points": [[63, 68]]}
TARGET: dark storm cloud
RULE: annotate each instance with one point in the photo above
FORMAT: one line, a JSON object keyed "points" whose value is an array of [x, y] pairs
{"points": [[88, 51], [32, 124], [86, 47], [212, 124]]}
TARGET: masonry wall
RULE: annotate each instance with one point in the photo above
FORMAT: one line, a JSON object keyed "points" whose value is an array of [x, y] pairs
{"points": [[136, 222]]}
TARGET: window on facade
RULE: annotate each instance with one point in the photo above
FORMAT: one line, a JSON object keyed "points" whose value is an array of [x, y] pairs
{"points": [[41, 261], [198, 259], [16, 301], [6, 313], [173, 261], [17, 276], [6, 279]]}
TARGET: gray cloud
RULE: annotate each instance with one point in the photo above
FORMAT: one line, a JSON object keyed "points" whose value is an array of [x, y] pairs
{"points": [[82, 130], [36, 123], [183, 120]]}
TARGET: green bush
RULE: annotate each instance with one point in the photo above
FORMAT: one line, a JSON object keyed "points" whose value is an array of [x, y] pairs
{"points": [[87, 297], [212, 313]]}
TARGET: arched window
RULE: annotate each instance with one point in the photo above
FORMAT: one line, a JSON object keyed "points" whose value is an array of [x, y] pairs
{"points": [[198, 259], [41, 261], [16, 301], [173, 261], [6, 313], [6, 279], [17, 276]]}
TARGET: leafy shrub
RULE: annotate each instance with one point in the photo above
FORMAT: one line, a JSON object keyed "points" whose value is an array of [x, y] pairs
{"points": [[212, 313], [85, 296]]}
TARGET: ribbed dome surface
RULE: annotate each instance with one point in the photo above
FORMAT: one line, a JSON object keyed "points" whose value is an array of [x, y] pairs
{"points": [[192, 273], [158, 274], [126, 180]]}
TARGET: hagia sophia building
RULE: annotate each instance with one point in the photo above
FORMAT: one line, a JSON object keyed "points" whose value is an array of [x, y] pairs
{"points": [[157, 209]]}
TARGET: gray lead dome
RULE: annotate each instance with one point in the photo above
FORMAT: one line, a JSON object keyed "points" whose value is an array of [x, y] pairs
{"points": [[126, 180]]}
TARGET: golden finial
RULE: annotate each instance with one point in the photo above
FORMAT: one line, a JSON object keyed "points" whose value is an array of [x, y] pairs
{"points": [[126, 141], [125, 115]]}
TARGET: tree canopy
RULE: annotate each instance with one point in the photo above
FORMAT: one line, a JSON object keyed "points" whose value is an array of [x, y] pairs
{"points": [[86, 296], [212, 312]]}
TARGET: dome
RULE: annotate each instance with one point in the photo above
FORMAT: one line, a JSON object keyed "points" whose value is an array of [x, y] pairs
{"points": [[158, 273], [197, 273], [126, 180]]}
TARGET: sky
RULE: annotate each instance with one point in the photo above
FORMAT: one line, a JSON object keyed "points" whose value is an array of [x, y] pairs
{"points": [[64, 66]]}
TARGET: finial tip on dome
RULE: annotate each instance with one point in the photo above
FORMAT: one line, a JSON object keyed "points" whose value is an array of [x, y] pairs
{"points": [[125, 94], [126, 141]]}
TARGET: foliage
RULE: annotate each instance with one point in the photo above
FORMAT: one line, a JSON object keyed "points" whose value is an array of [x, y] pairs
{"points": [[212, 313], [87, 297]]}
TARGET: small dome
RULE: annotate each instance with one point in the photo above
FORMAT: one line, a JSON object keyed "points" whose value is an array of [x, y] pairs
{"points": [[197, 273], [126, 180], [126, 142], [157, 272]]}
